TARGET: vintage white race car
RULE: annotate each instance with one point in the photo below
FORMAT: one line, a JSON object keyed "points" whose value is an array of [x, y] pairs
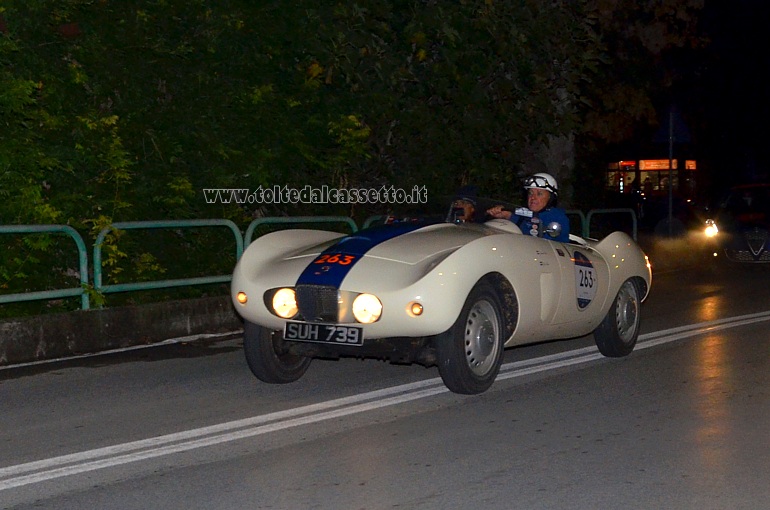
{"points": [[446, 294]]}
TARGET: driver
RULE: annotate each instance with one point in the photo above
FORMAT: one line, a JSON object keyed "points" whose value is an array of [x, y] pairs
{"points": [[541, 210], [463, 208]]}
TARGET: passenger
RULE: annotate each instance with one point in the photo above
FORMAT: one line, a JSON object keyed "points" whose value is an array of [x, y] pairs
{"points": [[541, 213], [463, 209]]}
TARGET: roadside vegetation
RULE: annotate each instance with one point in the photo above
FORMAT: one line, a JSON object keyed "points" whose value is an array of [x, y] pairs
{"points": [[126, 111]]}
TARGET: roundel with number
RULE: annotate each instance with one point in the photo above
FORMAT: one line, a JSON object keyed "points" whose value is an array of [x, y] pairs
{"points": [[585, 280]]}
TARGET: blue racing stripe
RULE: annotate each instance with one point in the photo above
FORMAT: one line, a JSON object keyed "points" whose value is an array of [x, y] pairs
{"points": [[335, 262]]}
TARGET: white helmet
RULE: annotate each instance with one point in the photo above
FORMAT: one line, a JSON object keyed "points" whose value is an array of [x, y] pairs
{"points": [[542, 180]]}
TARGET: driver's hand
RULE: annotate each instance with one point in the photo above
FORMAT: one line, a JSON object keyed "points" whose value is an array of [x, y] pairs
{"points": [[498, 212]]}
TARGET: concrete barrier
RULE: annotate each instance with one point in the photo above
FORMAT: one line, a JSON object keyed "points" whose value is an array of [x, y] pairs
{"points": [[62, 335]]}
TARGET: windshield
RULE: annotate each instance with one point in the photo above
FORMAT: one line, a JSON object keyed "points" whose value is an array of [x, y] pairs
{"points": [[447, 208], [748, 200]]}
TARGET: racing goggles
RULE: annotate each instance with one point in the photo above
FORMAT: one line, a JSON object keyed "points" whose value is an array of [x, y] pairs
{"points": [[535, 181], [462, 202]]}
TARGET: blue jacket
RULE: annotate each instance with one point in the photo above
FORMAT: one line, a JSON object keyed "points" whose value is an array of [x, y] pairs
{"points": [[534, 223]]}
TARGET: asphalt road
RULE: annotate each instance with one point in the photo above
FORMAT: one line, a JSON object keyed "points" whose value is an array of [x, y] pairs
{"points": [[680, 423]]}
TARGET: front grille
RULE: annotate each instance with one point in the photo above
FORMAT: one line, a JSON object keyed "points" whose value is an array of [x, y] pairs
{"points": [[756, 238], [755, 247], [747, 256], [317, 303]]}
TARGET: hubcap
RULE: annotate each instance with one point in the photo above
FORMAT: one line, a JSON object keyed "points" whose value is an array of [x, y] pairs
{"points": [[482, 331], [627, 312]]}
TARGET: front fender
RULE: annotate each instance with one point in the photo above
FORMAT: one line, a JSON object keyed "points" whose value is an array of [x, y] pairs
{"points": [[274, 260], [442, 287]]}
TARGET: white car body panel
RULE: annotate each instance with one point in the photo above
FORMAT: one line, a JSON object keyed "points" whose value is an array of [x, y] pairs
{"points": [[438, 265]]}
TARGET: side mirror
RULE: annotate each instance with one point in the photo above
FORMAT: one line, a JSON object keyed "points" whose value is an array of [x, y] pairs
{"points": [[553, 229]]}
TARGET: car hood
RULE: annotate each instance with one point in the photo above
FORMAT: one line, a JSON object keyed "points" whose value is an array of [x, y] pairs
{"points": [[406, 243], [744, 221], [753, 220]]}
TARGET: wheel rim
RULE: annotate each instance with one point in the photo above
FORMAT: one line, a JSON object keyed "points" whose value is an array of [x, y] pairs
{"points": [[627, 312], [286, 360], [482, 331]]}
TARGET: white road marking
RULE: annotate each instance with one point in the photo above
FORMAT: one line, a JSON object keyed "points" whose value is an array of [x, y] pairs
{"points": [[90, 460]]}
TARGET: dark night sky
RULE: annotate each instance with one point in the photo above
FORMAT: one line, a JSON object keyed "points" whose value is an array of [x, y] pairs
{"points": [[727, 92], [723, 95]]}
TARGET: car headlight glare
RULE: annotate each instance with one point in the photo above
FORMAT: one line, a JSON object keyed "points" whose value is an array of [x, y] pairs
{"points": [[285, 303], [367, 308], [711, 228]]}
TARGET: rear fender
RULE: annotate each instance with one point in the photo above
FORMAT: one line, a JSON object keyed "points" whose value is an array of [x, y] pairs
{"points": [[626, 260]]}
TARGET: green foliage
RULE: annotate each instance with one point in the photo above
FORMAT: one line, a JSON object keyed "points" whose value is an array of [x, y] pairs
{"points": [[451, 93], [95, 299], [636, 76], [118, 111], [113, 253]]}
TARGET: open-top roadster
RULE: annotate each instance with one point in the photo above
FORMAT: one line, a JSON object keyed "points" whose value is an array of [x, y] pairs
{"points": [[447, 294]]}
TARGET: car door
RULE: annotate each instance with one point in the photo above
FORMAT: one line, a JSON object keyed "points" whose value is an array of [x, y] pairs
{"points": [[584, 278]]}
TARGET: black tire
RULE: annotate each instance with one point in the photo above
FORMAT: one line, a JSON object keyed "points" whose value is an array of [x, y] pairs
{"points": [[265, 361], [470, 353], [617, 334]]}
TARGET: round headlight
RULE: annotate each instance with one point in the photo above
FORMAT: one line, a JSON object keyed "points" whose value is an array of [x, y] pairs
{"points": [[285, 303], [367, 308], [711, 228]]}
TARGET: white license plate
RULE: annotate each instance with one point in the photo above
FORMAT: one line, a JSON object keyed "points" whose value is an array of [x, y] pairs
{"points": [[325, 333]]}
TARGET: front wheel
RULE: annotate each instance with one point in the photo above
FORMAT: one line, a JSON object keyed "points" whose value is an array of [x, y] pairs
{"points": [[616, 335], [471, 351], [266, 361]]}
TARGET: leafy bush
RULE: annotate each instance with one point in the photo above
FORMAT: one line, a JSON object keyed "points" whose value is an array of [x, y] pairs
{"points": [[118, 111]]}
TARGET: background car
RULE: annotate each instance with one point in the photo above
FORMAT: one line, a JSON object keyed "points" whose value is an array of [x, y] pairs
{"points": [[739, 230]]}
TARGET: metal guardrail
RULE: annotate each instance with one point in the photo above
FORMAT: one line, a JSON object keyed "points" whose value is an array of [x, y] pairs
{"points": [[294, 220], [368, 222], [57, 293], [583, 222], [160, 284], [594, 212], [240, 243], [99, 285]]}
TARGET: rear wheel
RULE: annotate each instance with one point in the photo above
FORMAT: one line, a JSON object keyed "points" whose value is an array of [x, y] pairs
{"points": [[265, 359], [471, 351], [616, 335]]}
